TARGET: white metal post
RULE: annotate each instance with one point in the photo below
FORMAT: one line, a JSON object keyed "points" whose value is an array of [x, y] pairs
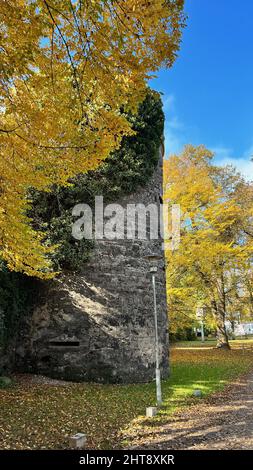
{"points": [[157, 370], [202, 331]]}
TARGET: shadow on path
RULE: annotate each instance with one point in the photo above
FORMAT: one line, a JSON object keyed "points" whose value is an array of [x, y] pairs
{"points": [[222, 421]]}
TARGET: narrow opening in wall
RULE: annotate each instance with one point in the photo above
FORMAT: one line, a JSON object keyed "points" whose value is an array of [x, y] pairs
{"points": [[45, 359], [64, 344]]}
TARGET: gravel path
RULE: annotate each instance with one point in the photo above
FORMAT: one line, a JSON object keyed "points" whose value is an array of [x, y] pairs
{"points": [[222, 421]]}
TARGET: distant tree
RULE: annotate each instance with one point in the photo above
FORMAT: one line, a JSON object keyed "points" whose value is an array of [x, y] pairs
{"points": [[214, 248]]}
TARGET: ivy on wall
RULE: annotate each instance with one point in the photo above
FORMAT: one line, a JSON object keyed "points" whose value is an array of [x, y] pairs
{"points": [[122, 173], [15, 298]]}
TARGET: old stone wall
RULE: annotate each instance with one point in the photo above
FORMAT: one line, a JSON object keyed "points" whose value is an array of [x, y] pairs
{"points": [[98, 325]]}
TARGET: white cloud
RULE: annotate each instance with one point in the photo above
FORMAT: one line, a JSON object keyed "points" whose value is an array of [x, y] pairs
{"points": [[249, 153], [243, 164], [173, 131], [168, 102], [173, 143], [177, 135], [222, 152]]}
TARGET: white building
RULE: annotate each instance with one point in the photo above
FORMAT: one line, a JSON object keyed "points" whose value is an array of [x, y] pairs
{"points": [[240, 329]]}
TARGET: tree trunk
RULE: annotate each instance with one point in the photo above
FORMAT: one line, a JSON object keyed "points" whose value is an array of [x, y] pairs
{"points": [[222, 337], [219, 314]]}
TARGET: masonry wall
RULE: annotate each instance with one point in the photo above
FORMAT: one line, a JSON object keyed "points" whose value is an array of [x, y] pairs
{"points": [[98, 325]]}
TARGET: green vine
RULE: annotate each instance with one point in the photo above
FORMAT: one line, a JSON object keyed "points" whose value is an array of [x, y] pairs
{"points": [[122, 173]]}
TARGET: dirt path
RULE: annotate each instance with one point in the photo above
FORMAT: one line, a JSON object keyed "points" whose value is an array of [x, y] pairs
{"points": [[223, 421]]}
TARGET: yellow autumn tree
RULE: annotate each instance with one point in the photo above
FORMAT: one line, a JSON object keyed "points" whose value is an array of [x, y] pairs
{"points": [[214, 249], [69, 71]]}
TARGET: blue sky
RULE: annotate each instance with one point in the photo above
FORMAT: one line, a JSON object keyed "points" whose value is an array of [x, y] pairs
{"points": [[208, 94]]}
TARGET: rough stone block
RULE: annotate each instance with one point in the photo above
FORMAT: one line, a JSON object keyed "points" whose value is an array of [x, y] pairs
{"points": [[77, 441], [151, 411]]}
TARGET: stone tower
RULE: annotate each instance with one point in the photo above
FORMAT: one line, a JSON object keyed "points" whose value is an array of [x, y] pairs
{"points": [[98, 325]]}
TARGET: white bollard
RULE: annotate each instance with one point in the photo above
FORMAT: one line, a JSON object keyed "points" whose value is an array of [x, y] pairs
{"points": [[197, 393], [77, 441], [151, 411]]}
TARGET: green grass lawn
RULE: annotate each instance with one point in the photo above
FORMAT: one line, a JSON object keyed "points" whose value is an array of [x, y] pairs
{"points": [[211, 343], [40, 416]]}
